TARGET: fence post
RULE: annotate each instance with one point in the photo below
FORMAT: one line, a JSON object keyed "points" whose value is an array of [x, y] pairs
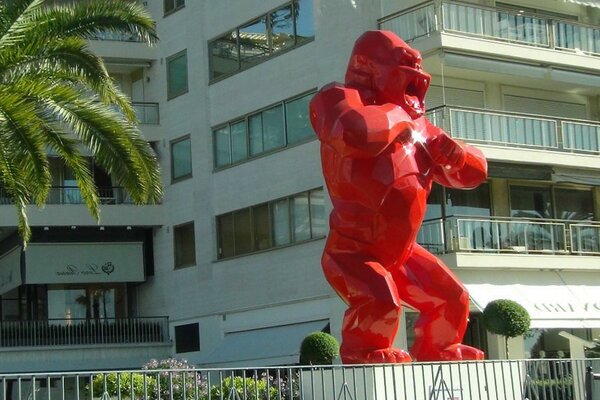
{"points": [[589, 375]]}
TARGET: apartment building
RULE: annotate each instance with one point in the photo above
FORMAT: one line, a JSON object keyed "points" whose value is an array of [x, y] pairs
{"points": [[226, 271]]}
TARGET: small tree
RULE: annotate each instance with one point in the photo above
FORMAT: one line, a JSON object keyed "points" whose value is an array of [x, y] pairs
{"points": [[506, 318], [319, 348]]}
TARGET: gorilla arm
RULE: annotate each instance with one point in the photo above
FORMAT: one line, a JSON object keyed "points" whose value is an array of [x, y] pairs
{"points": [[456, 164], [354, 130]]}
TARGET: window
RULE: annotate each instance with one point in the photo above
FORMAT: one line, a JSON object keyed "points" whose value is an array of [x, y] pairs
{"points": [[267, 35], [173, 5], [187, 338], [177, 75], [280, 125], [181, 159], [185, 245], [289, 220]]}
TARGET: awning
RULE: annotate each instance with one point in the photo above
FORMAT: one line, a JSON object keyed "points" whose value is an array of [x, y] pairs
{"points": [[553, 299], [267, 346], [590, 3]]}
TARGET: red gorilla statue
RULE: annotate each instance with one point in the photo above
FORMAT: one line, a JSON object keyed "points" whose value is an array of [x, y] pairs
{"points": [[380, 156]]}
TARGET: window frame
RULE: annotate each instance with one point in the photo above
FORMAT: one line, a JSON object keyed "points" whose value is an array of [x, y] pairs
{"points": [[169, 59], [175, 179], [246, 120], [174, 9], [180, 264], [272, 53], [271, 223]]}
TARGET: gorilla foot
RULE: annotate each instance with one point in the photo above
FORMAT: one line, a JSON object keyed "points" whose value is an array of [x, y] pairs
{"points": [[454, 352], [380, 356]]}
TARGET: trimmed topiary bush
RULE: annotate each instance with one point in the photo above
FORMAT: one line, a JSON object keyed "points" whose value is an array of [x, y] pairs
{"points": [[506, 318], [319, 348]]}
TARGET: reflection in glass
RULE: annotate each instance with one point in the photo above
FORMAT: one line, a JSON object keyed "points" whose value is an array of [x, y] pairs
{"points": [[303, 14], [177, 78], [574, 204], [273, 128], [254, 44], [317, 213], [280, 211], [282, 29], [300, 217], [298, 123], [530, 202], [181, 159], [238, 141], [255, 127], [475, 202], [222, 147], [224, 55]]}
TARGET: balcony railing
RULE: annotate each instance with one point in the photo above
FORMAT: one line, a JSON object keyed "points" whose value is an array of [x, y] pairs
{"points": [[147, 113], [66, 332], [493, 24], [117, 37], [510, 235], [518, 130], [72, 195]]}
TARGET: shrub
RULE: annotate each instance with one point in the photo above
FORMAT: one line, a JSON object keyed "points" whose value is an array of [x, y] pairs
{"points": [[184, 383], [246, 389], [506, 318], [319, 348], [121, 385]]}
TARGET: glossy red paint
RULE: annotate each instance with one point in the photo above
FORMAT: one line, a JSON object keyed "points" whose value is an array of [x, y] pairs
{"points": [[380, 156]]}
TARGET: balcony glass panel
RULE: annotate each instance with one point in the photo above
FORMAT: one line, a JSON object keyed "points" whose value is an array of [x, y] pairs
{"points": [[147, 113], [497, 24], [413, 24], [580, 136], [576, 37], [503, 128], [585, 239]]}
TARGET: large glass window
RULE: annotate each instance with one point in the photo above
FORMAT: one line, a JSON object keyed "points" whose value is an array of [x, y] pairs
{"points": [[475, 202], [66, 304], [530, 202], [177, 75], [184, 245], [293, 219], [281, 124], [283, 28], [181, 159], [574, 204]]}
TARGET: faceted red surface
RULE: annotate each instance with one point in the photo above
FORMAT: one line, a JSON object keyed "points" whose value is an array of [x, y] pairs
{"points": [[380, 156]]}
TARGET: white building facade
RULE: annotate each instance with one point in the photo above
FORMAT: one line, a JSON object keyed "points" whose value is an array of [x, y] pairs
{"points": [[226, 271]]}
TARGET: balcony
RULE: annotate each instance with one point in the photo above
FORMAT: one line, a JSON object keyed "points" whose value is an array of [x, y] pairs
{"points": [[510, 235], [147, 113], [72, 332], [505, 132], [495, 24], [72, 195]]}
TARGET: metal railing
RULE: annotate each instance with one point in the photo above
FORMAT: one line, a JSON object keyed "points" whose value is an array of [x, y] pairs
{"points": [[116, 37], [510, 235], [147, 113], [542, 379], [511, 129], [72, 195], [493, 24], [75, 331]]}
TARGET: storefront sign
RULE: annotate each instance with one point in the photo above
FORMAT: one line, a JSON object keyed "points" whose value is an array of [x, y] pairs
{"points": [[84, 263], [10, 270], [554, 308]]}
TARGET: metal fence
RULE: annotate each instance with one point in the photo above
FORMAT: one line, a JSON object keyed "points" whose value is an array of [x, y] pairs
{"points": [[556, 379], [75, 331]]}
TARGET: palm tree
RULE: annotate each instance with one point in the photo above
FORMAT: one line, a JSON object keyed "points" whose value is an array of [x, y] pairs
{"points": [[56, 95]]}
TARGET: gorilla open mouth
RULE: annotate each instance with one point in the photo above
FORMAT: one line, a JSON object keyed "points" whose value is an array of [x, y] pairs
{"points": [[414, 93]]}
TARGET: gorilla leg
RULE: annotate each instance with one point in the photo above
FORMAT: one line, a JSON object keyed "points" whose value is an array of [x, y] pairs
{"points": [[428, 285], [371, 320]]}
